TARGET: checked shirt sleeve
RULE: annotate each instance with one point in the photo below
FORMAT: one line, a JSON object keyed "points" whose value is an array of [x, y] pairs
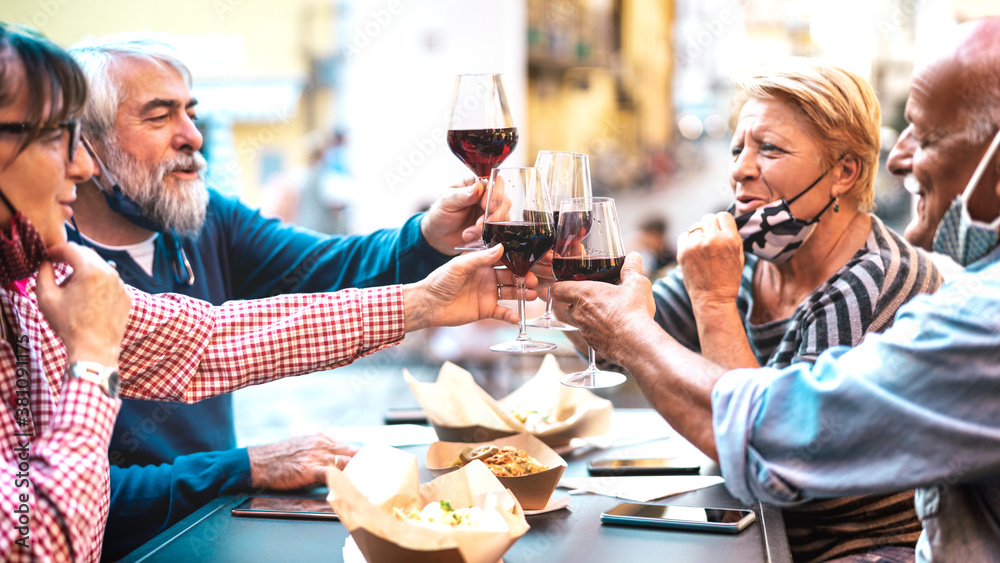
{"points": [[184, 349], [63, 475]]}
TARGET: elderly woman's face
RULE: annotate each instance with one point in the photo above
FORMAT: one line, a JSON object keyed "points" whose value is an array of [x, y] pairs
{"points": [[776, 154], [40, 181]]}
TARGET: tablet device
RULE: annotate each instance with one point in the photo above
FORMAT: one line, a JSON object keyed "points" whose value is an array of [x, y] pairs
{"points": [[285, 507]]}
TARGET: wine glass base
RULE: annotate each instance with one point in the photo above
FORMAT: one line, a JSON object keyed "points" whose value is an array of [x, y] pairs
{"points": [[593, 379], [550, 323], [523, 347], [472, 247]]}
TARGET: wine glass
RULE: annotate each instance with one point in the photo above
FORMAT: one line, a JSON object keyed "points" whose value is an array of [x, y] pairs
{"points": [[481, 132], [567, 175], [519, 217], [589, 247]]}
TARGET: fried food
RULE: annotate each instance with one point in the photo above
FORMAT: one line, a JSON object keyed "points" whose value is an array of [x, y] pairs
{"points": [[503, 462]]}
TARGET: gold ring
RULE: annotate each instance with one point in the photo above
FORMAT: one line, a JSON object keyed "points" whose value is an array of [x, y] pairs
{"points": [[499, 297], [695, 228]]}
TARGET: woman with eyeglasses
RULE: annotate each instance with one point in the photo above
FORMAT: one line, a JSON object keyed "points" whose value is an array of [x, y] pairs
{"points": [[68, 323]]}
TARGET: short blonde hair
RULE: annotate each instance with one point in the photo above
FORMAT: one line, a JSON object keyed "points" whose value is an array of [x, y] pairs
{"points": [[840, 105]]}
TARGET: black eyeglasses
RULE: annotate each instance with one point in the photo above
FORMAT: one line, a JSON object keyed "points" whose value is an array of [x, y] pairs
{"points": [[73, 126]]}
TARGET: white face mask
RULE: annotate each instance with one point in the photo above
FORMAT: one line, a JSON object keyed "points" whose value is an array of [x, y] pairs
{"points": [[960, 236]]}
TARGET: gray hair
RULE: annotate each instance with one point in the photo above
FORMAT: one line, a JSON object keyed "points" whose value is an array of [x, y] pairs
{"points": [[98, 57]]}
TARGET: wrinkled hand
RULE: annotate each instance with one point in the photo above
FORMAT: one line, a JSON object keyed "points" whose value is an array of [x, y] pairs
{"points": [[711, 258], [462, 291], [89, 310], [297, 462], [608, 314], [452, 220]]}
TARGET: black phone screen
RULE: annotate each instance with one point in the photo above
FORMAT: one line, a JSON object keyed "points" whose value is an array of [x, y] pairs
{"points": [[651, 466], [285, 507], [679, 513]]}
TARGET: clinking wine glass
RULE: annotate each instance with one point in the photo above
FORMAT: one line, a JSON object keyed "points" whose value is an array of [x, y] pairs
{"points": [[481, 132], [567, 175], [519, 216], [589, 246]]}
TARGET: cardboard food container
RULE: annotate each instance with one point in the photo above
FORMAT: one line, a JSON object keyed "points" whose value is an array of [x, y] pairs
{"points": [[461, 411], [379, 479], [574, 412], [532, 491]]}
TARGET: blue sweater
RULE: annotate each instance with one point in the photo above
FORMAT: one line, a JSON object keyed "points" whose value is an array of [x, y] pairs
{"points": [[169, 459]]}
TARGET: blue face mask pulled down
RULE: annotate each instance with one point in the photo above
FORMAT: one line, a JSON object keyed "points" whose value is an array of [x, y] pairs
{"points": [[772, 232], [124, 205], [960, 236]]}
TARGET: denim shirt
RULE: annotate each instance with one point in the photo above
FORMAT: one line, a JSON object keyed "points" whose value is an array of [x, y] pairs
{"points": [[917, 406]]}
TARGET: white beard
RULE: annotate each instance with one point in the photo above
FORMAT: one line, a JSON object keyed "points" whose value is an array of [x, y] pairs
{"points": [[182, 208]]}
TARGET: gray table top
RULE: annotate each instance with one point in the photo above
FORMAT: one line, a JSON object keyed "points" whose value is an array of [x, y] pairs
{"points": [[574, 534]]}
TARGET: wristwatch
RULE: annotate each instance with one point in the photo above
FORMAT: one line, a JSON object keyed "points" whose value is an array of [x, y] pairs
{"points": [[105, 377]]}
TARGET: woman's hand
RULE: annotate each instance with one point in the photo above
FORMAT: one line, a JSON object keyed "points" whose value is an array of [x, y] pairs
{"points": [[710, 254], [462, 291], [89, 310]]}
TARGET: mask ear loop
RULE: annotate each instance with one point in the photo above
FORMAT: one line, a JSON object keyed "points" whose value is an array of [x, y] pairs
{"points": [[984, 163], [813, 185], [120, 203]]}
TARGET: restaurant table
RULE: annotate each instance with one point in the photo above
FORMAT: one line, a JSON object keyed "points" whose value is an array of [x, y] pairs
{"points": [[574, 534]]}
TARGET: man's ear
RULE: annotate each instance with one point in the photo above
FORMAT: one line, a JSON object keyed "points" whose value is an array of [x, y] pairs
{"points": [[846, 171]]}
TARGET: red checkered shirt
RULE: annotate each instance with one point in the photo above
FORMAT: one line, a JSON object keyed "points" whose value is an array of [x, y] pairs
{"points": [[175, 348]]}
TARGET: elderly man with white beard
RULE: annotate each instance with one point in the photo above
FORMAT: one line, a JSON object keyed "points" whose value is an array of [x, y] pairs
{"points": [[149, 212]]}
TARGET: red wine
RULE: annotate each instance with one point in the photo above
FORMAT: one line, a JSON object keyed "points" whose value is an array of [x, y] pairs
{"points": [[591, 268], [524, 243], [482, 150], [575, 228]]}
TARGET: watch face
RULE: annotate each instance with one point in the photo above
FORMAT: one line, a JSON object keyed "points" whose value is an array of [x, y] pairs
{"points": [[113, 380]]}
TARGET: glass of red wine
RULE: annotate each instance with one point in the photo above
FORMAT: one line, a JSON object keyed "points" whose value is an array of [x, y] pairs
{"points": [[519, 216], [567, 175], [589, 247], [481, 132]]}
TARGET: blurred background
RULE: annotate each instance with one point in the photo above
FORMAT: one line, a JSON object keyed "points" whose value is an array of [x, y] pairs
{"points": [[350, 98]]}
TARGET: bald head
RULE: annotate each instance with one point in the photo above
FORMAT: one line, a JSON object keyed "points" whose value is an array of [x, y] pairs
{"points": [[974, 61]]}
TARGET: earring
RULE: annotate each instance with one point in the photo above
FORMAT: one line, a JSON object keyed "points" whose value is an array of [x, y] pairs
{"points": [[836, 205]]}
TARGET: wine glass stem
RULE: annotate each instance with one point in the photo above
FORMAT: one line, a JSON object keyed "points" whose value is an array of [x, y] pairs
{"points": [[592, 368], [548, 304], [522, 334]]}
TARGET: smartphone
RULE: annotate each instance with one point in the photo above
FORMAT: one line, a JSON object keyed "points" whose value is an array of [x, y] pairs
{"points": [[725, 520], [649, 466], [283, 507], [405, 416]]}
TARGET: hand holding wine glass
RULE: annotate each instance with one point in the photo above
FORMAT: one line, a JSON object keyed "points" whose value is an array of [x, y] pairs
{"points": [[567, 175], [481, 132], [588, 246], [518, 216]]}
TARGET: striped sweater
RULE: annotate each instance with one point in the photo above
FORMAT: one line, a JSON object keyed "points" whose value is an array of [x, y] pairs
{"points": [[862, 296]]}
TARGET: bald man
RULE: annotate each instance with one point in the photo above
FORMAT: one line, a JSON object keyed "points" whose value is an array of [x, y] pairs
{"points": [[915, 407]]}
